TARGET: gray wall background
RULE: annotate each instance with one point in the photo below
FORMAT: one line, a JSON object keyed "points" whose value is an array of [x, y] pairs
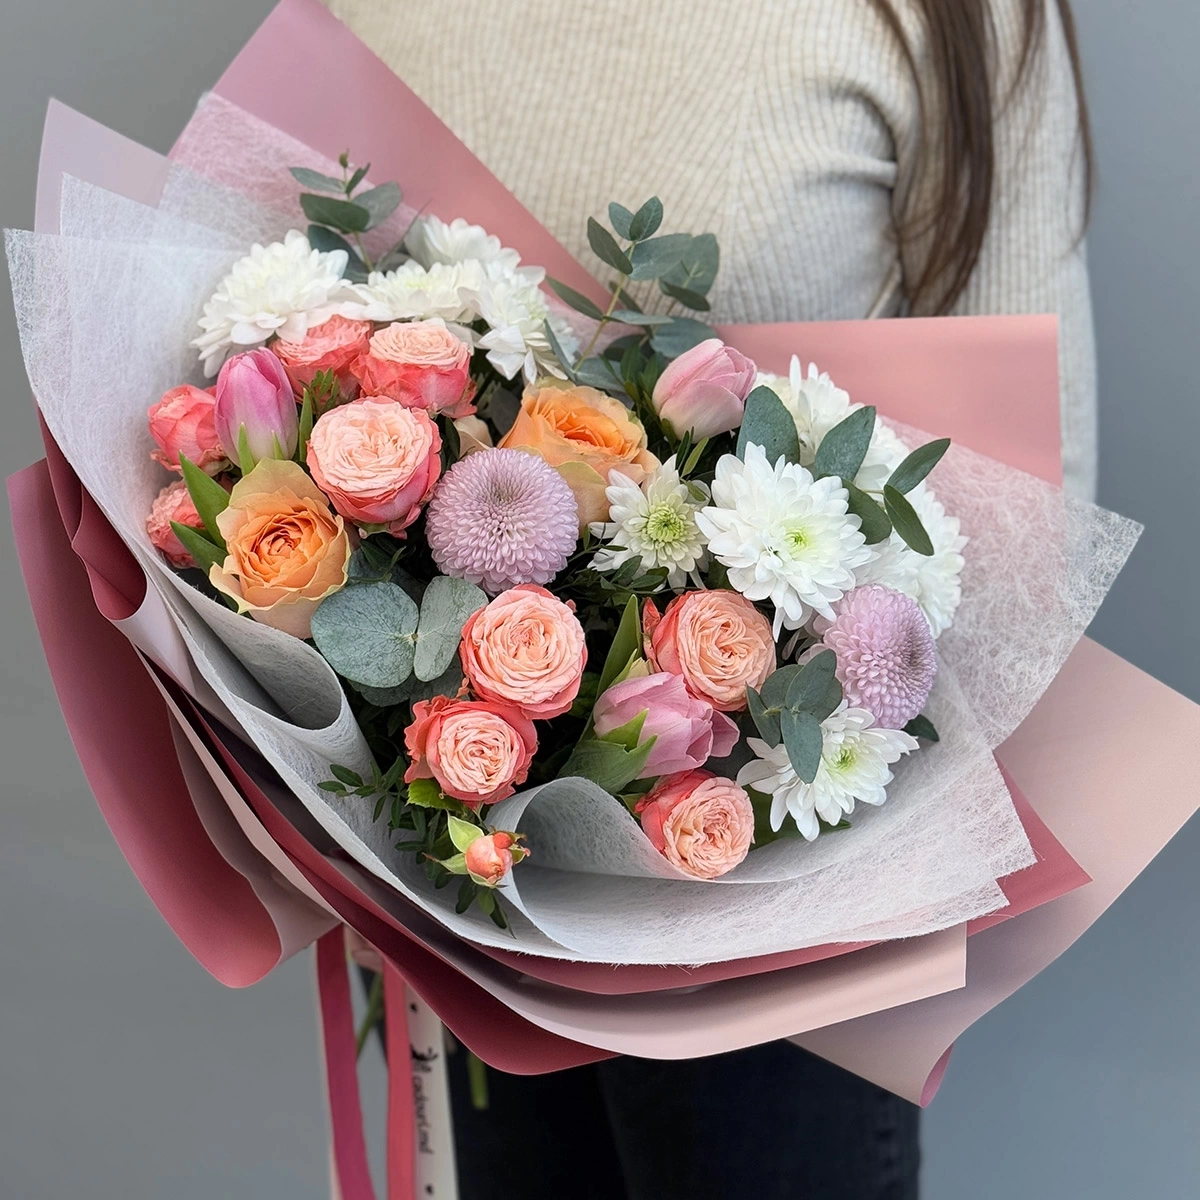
{"points": [[126, 1072]]}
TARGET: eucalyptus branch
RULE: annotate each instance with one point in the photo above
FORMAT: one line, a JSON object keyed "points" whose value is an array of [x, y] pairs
{"points": [[604, 320]]}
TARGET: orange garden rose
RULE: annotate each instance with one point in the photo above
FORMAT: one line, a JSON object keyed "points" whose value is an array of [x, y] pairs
{"points": [[288, 550], [584, 434]]}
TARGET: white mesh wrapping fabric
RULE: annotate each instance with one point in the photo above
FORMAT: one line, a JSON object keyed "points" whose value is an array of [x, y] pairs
{"points": [[106, 311]]}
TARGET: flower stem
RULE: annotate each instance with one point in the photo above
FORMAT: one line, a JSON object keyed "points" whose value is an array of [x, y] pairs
{"points": [[374, 1011], [612, 305], [477, 1075]]}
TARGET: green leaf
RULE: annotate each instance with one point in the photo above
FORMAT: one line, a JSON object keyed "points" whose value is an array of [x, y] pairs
{"points": [[366, 632], [467, 891], [844, 447], [599, 373], [380, 202], [766, 720], [605, 247], [425, 793], [629, 734], [768, 424], [245, 457], [563, 357], [630, 316], [697, 269], [413, 689], [306, 425], [345, 775], [693, 459], [577, 300], [645, 221], [906, 522], [462, 833], [775, 689], [621, 219], [814, 686], [199, 547], [625, 644], [654, 258], [803, 740], [918, 464], [343, 215], [876, 524], [607, 764], [315, 180], [445, 607], [209, 497], [922, 727], [680, 336], [688, 299], [359, 175]]}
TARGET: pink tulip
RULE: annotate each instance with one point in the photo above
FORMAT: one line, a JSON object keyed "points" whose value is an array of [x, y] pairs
{"points": [[705, 389], [254, 392], [688, 731]]}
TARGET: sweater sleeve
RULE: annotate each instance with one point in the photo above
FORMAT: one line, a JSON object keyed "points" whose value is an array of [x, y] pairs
{"points": [[1033, 258]]}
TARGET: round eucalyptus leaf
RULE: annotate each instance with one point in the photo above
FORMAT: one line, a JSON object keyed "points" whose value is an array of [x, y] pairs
{"points": [[366, 632]]}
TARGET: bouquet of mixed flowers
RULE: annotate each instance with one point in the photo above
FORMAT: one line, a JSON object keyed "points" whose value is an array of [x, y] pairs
{"points": [[622, 688], [710, 592]]}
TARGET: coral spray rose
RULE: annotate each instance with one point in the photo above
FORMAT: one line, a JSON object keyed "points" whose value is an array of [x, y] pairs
{"points": [[705, 389], [717, 641], [376, 460], [184, 423], [287, 550], [334, 345], [422, 365], [583, 434], [699, 822], [173, 503], [477, 751], [525, 648]]}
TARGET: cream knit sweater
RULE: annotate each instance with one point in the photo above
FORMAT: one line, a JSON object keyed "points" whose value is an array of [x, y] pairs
{"points": [[789, 128]]}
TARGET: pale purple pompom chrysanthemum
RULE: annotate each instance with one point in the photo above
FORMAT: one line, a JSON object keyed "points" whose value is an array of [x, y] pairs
{"points": [[885, 655], [502, 517]]}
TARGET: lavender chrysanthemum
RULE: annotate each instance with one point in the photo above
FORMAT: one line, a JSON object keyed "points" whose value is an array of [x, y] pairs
{"points": [[885, 655], [502, 517]]}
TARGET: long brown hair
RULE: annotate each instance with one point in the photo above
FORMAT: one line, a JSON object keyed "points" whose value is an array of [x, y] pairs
{"points": [[959, 128]]}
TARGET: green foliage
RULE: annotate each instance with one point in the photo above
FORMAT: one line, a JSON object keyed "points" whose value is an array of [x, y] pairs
{"points": [[445, 607], [367, 633], [767, 423], [918, 464], [876, 524], [199, 547], [679, 336], [922, 727], [605, 248], [577, 300], [906, 522], [657, 256], [208, 496], [803, 741], [609, 765], [645, 221], [625, 645], [343, 215], [791, 706], [844, 447]]}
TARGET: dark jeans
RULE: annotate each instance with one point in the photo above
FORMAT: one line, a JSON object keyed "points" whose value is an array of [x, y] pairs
{"points": [[771, 1123]]}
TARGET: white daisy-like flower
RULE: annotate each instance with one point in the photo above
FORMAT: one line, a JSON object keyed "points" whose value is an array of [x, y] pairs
{"points": [[284, 288], [856, 757], [512, 304], [431, 240], [655, 522], [415, 293], [784, 536], [817, 404], [934, 581]]}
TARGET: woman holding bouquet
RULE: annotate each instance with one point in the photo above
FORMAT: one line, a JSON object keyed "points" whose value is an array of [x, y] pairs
{"points": [[855, 158]]}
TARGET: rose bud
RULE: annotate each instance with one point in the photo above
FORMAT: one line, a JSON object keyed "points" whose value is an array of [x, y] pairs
{"points": [[704, 390], [489, 858], [255, 394], [687, 731], [184, 422]]}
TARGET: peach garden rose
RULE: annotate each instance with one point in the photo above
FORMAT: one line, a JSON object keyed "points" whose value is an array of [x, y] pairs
{"points": [[287, 550], [376, 460], [583, 434], [525, 648], [421, 364], [477, 751], [334, 345], [699, 822], [717, 640], [172, 504]]}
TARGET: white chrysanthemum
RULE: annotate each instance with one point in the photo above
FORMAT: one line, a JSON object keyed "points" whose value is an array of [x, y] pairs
{"points": [[655, 522], [784, 536], [817, 404], [512, 304], [431, 240], [413, 293], [934, 581], [855, 760], [283, 289]]}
